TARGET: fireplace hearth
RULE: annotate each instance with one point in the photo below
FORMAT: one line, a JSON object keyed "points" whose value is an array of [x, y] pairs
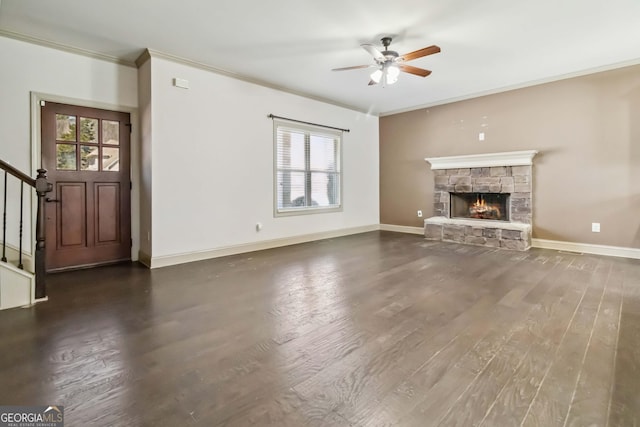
{"points": [[492, 206]]}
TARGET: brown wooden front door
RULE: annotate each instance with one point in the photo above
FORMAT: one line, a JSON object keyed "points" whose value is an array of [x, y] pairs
{"points": [[86, 153]]}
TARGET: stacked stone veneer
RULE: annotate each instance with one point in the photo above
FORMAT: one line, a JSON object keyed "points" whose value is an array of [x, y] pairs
{"points": [[515, 180], [479, 232]]}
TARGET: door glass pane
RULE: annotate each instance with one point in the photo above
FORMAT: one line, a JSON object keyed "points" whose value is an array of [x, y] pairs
{"points": [[110, 132], [110, 159], [66, 157], [89, 157], [88, 130], [65, 127]]}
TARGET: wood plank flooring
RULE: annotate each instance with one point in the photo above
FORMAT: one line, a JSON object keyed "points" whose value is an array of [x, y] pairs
{"points": [[375, 329]]}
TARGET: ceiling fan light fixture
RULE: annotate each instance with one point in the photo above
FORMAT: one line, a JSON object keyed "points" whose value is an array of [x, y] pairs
{"points": [[376, 76], [389, 64], [392, 74]]}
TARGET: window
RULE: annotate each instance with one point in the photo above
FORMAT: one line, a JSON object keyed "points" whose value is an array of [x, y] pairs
{"points": [[308, 175]]}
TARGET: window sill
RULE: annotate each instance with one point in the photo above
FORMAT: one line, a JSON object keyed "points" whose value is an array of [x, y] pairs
{"points": [[306, 211]]}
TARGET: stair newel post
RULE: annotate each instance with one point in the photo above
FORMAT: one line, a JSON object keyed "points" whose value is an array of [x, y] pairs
{"points": [[42, 188]]}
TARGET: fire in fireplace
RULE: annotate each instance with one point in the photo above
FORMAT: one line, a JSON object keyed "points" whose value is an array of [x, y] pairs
{"points": [[480, 206]]}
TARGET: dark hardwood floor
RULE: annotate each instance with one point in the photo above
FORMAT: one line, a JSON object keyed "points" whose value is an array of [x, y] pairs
{"points": [[376, 329]]}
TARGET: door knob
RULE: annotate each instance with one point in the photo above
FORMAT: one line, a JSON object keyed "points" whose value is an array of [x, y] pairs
{"points": [[51, 200]]}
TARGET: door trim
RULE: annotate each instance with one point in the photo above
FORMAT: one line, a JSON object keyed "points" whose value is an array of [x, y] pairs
{"points": [[134, 147]]}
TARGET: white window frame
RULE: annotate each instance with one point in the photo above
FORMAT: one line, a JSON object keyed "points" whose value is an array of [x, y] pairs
{"points": [[307, 130]]}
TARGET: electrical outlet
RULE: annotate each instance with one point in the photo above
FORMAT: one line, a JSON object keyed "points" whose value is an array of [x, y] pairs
{"points": [[481, 136], [419, 214], [595, 227]]}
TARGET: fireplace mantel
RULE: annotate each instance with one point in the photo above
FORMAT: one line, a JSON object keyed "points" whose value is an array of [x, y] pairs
{"points": [[510, 158]]}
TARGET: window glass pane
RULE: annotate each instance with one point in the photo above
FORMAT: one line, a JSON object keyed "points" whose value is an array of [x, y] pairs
{"points": [[290, 148], [325, 189], [333, 189], [110, 132], [110, 159], [307, 168], [65, 127], [66, 157], [291, 187], [89, 157], [323, 153], [88, 130]]}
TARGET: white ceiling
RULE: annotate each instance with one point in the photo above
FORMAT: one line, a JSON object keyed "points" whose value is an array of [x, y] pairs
{"points": [[486, 45]]}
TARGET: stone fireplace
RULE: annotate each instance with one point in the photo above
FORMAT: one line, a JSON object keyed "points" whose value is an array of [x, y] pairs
{"points": [[483, 199]]}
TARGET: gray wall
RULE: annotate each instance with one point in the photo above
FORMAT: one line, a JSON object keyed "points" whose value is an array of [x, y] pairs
{"points": [[587, 130]]}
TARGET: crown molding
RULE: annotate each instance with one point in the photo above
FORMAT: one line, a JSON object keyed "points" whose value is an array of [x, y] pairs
{"points": [[501, 89], [66, 48], [509, 158], [150, 53]]}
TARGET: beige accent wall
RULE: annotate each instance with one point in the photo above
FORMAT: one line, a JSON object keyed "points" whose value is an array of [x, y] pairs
{"points": [[587, 130]]}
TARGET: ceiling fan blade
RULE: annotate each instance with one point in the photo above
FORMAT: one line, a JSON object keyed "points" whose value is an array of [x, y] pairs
{"points": [[419, 53], [414, 70], [374, 52], [355, 67]]}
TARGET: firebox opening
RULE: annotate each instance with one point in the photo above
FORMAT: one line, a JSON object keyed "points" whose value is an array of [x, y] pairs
{"points": [[480, 206]]}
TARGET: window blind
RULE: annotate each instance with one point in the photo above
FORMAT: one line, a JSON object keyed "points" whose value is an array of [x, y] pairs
{"points": [[308, 170]]}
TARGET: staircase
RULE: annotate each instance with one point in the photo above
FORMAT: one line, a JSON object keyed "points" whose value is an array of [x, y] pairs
{"points": [[22, 276]]}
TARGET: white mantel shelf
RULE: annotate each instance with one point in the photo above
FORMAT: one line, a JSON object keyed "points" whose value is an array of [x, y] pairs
{"points": [[510, 158]]}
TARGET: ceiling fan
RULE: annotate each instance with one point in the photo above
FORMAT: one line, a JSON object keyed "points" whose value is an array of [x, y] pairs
{"points": [[389, 63]]}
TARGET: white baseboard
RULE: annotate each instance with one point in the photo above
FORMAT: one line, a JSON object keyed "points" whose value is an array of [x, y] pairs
{"points": [[167, 260], [587, 248], [402, 229]]}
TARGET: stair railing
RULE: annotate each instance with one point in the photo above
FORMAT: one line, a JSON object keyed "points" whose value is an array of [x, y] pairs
{"points": [[41, 187]]}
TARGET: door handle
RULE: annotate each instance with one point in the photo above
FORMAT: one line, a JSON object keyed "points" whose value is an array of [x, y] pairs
{"points": [[51, 200]]}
